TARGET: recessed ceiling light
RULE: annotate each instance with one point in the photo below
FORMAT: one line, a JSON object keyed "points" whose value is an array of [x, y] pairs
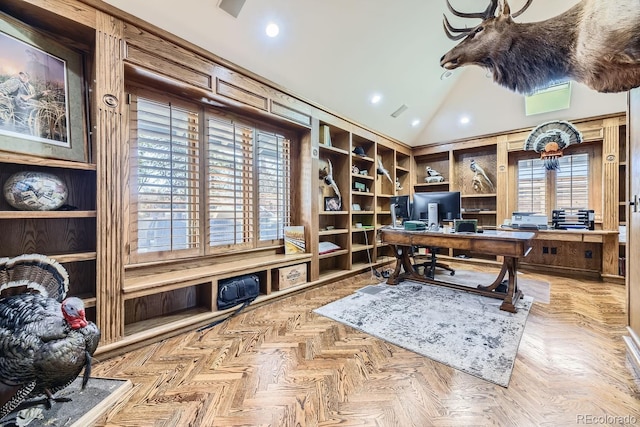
{"points": [[415, 123], [464, 120], [376, 98], [272, 29]]}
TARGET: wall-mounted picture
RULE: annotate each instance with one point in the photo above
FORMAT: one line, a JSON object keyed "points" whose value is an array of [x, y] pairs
{"points": [[332, 204], [41, 97]]}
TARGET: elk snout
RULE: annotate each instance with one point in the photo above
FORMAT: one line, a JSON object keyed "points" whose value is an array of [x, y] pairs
{"points": [[448, 61]]}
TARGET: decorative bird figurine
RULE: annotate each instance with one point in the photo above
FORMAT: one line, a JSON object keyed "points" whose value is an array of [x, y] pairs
{"points": [[398, 184], [478, 176], [383, 171], [550, 139], [45, 339], [433, 175], [326, 174]]}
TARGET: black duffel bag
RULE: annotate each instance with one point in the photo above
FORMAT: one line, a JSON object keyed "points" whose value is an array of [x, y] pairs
{"points": [[238, 290]]}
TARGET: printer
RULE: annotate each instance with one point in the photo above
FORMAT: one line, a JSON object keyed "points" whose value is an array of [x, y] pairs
{"points": [[529, 220]]}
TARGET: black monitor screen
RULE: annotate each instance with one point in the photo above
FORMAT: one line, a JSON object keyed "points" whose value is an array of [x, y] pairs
{"points": [[402, 207], [448, 205]]}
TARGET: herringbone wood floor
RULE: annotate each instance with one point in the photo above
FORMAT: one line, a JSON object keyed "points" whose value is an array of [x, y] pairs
{"points": [[282, 365]]}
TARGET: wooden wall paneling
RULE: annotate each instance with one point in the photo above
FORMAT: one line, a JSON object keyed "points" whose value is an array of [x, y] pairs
{"points": [[503, 184], [111, 151], [610, 175], [305, 202], [53, 15], [160, 51]]}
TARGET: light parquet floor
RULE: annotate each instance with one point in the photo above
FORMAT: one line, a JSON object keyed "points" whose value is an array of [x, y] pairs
{"points": [[282, 365]]}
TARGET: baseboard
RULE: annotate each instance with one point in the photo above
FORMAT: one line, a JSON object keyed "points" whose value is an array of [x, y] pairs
{"points": [[632, 341]]}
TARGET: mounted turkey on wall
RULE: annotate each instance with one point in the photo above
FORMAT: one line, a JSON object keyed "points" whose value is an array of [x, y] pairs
{"points": [[550, 139], [596, 42], [45, 339]]}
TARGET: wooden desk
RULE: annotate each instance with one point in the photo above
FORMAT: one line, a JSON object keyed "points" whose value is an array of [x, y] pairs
{"points": [[511, 245]]}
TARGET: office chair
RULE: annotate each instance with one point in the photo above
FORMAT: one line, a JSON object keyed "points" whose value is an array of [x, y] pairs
{"points": [[432, 263]]}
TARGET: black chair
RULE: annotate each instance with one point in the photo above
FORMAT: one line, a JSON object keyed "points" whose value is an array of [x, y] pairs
{"points": [[431, 263]]}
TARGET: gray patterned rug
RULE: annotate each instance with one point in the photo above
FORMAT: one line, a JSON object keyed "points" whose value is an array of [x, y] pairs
{"points": [[462, 330]]}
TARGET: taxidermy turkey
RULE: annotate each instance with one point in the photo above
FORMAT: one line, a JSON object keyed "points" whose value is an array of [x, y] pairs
{"points": [[45, 339]]}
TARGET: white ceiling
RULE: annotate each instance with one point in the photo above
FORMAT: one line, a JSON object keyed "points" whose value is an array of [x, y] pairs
{"points": [[337, 53]]}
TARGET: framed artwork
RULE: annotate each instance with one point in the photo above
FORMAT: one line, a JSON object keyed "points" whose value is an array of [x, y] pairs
{"points": [[332, 204], [41, 94], [294, 241]]}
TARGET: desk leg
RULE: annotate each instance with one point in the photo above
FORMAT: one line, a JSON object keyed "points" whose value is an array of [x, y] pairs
{"points": [[513, 293], [503, 271], [403, 260]]}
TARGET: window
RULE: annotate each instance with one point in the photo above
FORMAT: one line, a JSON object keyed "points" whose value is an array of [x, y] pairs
{"points": [[532, 186], [273, 184], [205, 182], [166, 174], [542, 191]]}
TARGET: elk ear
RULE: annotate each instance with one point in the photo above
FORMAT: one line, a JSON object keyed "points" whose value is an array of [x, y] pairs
{"points": [[506, 10]]}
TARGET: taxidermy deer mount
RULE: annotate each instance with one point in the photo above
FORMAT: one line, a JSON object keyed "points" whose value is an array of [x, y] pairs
{"points": [[596, 42]]}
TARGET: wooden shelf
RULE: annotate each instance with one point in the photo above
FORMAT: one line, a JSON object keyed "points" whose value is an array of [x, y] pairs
{"points": [[359, 176], [332, 232], [333, 212], [49, 163], [74, 257], [357, 247], [333, 254], [46, 214], [430, 184], [477, 196], [333, 149]]}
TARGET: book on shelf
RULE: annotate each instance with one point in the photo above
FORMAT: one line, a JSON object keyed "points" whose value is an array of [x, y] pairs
{"points": [[294, 242], [325, 135]]}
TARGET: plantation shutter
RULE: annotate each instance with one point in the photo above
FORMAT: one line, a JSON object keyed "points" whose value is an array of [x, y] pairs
{"points": [[572, 182], [165, 173], [273, 173], [531, 186], [230, 183]]}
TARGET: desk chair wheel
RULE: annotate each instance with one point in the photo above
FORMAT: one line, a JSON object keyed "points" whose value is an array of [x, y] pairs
{"points": [[453, 273]]}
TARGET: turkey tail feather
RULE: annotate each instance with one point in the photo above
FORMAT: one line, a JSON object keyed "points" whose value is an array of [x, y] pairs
{"points": [[87, 369], [15, 398], [33, 273]]}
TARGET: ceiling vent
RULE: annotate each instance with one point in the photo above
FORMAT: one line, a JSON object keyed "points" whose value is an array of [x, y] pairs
{"points": [[399, 111], [232, 7]]}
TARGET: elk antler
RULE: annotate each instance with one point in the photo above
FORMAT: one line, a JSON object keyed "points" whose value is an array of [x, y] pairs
{"points": [[489, 12], [525, 7]]}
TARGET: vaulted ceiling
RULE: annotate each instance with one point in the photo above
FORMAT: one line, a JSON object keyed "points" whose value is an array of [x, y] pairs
{"points": [[338, 53]]}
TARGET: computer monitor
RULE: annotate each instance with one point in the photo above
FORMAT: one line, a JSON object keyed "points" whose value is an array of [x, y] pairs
{"points": [[448, 203], [400, 207]]}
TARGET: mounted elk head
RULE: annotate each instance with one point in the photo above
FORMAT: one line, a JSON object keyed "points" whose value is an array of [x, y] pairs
{"points": [[596, 42]]}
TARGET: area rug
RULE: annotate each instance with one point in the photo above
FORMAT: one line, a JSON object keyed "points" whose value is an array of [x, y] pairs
{"points": [[466, 331], [540, 290]]}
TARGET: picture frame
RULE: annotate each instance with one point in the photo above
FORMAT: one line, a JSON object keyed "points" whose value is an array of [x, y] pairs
{"points": [[42, 102], [332, 204], [294, 239]]}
